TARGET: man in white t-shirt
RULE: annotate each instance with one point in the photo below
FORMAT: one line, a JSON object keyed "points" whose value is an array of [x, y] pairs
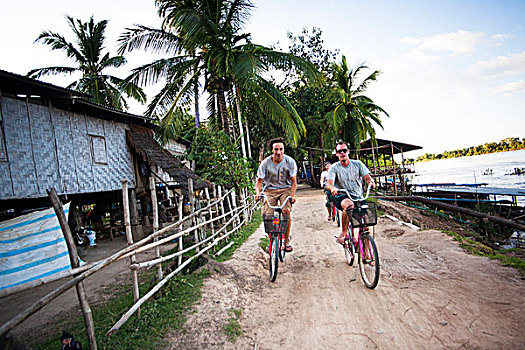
{"points": [[279, 173], [348, 174]]}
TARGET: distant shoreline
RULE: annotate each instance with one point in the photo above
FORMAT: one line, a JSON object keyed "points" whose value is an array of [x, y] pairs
{"points": [[470, 155]]}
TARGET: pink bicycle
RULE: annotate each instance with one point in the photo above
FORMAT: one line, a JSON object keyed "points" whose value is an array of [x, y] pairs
{"points": [[276, 227], [362, 217]]}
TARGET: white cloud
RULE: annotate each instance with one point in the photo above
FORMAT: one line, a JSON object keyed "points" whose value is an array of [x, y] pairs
{"points": [[510, 64], [511, 89], [460, 42]]}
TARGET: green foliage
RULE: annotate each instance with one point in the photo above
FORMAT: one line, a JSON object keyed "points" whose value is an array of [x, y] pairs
{"points": [[157, 316], [355, 114], [218, 159], [264, 242], [90, 61], [480, 249], [508, 144]]}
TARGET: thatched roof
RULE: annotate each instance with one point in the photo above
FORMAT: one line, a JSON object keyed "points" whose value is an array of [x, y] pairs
{"points": [[142, 142]]}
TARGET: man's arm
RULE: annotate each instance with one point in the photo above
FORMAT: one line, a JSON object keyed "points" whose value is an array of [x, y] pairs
{"points": [[369, 180], [258, 188], [293, 188], [330, 187]]}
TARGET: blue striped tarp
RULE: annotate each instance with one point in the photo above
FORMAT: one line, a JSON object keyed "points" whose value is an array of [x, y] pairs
{"points": [[32, 247]]}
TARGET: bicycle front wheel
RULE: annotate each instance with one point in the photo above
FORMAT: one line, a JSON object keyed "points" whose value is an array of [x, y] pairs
{"points": [[349, 251], [337, 218], [282, 250], [274, 257], [369, 261]]}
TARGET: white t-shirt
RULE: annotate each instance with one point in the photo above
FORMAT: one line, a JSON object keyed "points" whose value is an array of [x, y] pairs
{"points": [[349, 177], [277, 176], [323, 177]]}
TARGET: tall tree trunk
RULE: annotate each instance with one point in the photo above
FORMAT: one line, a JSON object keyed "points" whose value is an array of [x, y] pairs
{"points": [[223, 112], [197, 114], [311, 161], [241, 132]]}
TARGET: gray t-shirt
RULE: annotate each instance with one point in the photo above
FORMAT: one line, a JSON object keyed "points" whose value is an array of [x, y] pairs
{"points": [[277, 176], [349, 177]]}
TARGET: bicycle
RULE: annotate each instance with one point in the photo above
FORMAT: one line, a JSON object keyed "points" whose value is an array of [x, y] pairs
{"points": [[276, 228], [362, 217]]}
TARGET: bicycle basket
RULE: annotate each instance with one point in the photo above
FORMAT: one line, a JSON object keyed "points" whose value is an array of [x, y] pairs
{"points": [[270, 227], [368, 214]]}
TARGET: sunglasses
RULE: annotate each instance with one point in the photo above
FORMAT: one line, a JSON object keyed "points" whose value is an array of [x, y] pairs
{"points": [[342, 150]]}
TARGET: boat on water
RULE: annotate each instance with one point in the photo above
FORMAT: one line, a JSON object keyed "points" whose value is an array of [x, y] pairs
{"points": [[504, 201]]}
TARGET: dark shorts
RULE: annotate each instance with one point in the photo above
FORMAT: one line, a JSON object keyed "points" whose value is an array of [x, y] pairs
{"points": [[338, 199]]}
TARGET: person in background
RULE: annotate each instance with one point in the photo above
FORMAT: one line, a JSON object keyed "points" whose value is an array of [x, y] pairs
{"points": [[279, 173], [323, 185]]}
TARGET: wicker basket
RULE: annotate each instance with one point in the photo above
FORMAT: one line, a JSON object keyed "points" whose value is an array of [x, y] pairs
{"points": [[370, 214], [270, 227]]}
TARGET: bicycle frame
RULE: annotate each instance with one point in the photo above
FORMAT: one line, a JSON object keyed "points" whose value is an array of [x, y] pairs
{"points": [[368, 255], [277, 233]]}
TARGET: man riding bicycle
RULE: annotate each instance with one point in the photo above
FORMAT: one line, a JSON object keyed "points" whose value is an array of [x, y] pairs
{"points": [[279, 173], [348, 174]]}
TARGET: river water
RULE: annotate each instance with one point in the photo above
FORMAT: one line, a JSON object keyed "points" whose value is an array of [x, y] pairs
{"points": [[492, 169]]}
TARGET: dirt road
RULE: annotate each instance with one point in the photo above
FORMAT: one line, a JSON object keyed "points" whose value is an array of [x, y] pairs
{"points": [[431, 294]]}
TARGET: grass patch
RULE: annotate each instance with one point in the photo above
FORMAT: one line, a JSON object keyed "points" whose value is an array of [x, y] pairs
{"points": [[481, 249], [241, 236], [157, 316], [264, 242], [233, 329]]}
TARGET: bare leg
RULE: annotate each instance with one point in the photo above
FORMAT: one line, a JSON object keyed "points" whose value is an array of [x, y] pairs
{"points": [[345, 204], [287, 234]]}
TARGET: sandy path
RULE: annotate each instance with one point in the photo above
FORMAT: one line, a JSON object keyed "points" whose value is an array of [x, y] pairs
{"points": [[431, 294]]}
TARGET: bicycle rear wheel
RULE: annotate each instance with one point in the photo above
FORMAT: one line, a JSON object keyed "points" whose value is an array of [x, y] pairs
{"points": [[282, 250], [274, 257], [369, 263], [349, 251]]}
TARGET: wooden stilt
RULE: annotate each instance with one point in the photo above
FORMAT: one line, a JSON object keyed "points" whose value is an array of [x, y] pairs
{"points": [[129, 237], [155, 209], [73, 257]]}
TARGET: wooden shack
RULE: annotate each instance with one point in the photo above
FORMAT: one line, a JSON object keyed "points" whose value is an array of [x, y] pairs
{"points": [[379, 158], [53, 137]]}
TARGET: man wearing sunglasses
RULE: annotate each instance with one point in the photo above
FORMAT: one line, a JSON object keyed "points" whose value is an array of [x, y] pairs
{"points": [[348, 174], [279, 173]]}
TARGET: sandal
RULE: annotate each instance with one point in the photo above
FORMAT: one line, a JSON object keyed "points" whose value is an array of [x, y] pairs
{"points": [[288, 248], [337, 240]]}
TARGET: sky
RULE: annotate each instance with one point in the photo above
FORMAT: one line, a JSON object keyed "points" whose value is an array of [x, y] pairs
{"points": [[453, 72]]}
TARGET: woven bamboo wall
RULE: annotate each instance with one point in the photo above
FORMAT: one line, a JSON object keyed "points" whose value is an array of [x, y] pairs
{"points": [[48, 147]]}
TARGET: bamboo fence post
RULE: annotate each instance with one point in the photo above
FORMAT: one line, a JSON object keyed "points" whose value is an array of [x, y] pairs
{"points": [[191, 195], [234, 206], [207, 193], [73, 258], [155, 209], [181, 204], [222, 204], [129, 237]]}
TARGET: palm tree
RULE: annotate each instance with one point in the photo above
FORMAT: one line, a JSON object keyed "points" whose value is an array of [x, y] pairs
{"points": [[206, 40], [87, 53], [354, 113]]}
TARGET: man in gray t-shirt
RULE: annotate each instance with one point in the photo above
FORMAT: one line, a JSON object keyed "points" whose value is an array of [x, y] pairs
{"points": [[279, 174], [348, 174]]}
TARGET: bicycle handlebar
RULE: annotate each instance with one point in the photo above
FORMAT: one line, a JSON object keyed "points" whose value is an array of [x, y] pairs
{"points": [[342, 190], [263, 195]]}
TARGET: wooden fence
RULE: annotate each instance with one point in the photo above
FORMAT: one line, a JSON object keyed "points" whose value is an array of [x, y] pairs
{"points": [[210, 224]]}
